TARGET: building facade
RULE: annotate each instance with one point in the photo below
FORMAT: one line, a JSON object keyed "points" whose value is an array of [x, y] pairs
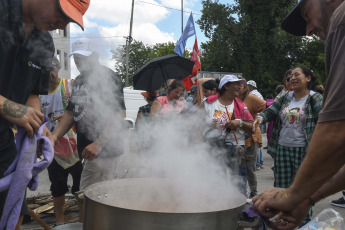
{"points": [[62, 50]]}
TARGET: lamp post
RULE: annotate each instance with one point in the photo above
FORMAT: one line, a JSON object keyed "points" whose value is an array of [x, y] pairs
{"points": [[129, 39], [182, 16]]}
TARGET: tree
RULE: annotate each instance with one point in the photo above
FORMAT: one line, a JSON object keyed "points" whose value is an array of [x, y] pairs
{"points": [[246, 37], [313, 56], [218, 25]]}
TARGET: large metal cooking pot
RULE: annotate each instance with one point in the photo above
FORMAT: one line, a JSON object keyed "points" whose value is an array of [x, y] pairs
{"points": [[72, 226], [153, 204]]}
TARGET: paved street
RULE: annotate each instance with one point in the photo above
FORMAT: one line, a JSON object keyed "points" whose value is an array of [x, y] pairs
{"points": [[265, 180]]}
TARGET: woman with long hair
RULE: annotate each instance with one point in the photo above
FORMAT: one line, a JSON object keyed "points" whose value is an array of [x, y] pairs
{"points": [[295, 115]]}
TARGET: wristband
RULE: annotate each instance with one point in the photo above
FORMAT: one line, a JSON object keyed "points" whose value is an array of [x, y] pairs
{"points": [[240, 125]]}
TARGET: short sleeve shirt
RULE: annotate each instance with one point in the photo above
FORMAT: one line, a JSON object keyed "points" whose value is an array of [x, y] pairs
{"points": [[293, 119], [217, 115], [24, 63], [334, 97]]}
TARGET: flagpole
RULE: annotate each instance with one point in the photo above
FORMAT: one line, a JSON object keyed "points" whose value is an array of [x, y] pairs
{"points": [[182, 15]]}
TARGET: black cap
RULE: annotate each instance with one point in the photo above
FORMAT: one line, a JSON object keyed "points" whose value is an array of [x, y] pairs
{"points": [[294, 23]]}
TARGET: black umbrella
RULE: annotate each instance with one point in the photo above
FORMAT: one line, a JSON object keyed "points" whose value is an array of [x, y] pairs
{"points": [[154, 73]]}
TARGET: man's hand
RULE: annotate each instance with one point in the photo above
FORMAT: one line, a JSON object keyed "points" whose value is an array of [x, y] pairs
{"points": [[256, 123], [27, 117], [290, 221], [272, 201], [91, 151], [53, 139]]}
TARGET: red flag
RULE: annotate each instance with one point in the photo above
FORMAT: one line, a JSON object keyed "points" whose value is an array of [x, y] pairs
{"points": [[192, 79]]}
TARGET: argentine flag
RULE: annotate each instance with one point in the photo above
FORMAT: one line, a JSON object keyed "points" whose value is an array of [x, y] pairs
{"points": [[189, 31]]}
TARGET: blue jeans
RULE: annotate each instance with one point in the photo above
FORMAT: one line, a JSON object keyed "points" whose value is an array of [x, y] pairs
{"points": [[231, 162], [259, 160]]}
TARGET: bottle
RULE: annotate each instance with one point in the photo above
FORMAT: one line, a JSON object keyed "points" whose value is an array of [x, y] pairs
{"points": [[244, 114]]}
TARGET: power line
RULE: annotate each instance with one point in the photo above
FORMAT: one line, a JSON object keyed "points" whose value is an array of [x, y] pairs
{"points": [[167, 7], [119, 36]]}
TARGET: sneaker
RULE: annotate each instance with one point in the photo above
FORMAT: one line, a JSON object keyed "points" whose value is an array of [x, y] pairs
{"points": [[339, 203], [262, 166], [257, 167]]}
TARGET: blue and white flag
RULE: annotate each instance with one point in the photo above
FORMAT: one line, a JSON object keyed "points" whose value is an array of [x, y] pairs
{"points": [[189, 31]]}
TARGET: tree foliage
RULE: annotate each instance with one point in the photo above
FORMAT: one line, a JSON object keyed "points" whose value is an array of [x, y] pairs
{"points": [[246, 38]]}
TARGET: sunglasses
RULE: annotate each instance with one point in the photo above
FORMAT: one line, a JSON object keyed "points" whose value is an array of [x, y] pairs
{"points": [[288, 79]]}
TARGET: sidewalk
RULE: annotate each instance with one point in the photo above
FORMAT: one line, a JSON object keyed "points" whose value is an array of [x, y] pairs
{"points": [[266, 178]]}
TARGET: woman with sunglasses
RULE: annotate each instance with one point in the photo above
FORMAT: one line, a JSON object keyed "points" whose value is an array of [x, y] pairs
{"points": [[295, 115]]}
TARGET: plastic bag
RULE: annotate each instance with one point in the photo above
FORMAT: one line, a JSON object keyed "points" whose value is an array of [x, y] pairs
{"points": [[65, 151], [328, 219]]}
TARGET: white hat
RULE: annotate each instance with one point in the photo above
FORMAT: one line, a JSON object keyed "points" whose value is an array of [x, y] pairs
{"points": [[83, 46], [229, 78], [252, 83]]}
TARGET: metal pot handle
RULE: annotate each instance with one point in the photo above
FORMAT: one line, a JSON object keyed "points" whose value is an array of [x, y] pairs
{"points": [[241, 225]]}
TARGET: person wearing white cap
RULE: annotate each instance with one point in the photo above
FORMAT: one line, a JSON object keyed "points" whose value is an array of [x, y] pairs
{"points": [[26, 52], [321, 174], [225, 112], [253, 89], [97, 109]]}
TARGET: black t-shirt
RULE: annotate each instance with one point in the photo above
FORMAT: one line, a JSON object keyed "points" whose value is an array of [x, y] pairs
{"points": [[24, 64], [96, 99]]}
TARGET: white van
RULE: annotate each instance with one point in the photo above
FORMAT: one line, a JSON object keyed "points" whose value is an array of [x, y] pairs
{"points": [[133, 100]]}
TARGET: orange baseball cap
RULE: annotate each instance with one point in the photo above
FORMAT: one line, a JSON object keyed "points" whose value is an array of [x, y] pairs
{"points": [[74, 10]]}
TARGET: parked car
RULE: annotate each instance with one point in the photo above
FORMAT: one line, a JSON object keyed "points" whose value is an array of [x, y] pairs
{"points": [[133, 100]]}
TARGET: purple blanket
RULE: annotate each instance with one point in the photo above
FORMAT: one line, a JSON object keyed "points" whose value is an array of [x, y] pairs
{"points": [[249, 214], [23, 172]]}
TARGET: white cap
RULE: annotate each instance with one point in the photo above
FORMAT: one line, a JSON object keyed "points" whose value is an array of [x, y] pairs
{"points": [[229, 78], [83, 46], [252, 83]]}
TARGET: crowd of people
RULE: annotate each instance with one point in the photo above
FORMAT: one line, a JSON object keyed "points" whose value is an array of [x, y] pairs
{"points": [[83, 116]]}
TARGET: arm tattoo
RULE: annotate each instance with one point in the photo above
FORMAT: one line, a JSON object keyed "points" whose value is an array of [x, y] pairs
{"points": [[14, 110]]}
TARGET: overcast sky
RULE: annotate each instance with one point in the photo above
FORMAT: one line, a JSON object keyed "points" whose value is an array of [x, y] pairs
{"points": [[107, 23]]}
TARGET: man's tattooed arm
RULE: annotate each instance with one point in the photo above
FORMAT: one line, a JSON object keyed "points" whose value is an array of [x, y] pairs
{"points": [[14, 110]]}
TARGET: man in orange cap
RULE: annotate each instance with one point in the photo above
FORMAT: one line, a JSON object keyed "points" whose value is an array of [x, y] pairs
{"points": [[26, 52]]}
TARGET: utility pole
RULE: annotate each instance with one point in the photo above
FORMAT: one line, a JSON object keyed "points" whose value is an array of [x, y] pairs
{"points": [[182, 16], [129, 39]]}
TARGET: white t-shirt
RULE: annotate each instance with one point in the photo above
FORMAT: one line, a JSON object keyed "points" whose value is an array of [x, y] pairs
{"points": [[216, 117], [293, 119], [52, 105]]}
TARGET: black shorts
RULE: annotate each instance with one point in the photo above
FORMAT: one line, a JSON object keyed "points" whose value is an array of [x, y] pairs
{"points": [[8, 153], [58, 177]]}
